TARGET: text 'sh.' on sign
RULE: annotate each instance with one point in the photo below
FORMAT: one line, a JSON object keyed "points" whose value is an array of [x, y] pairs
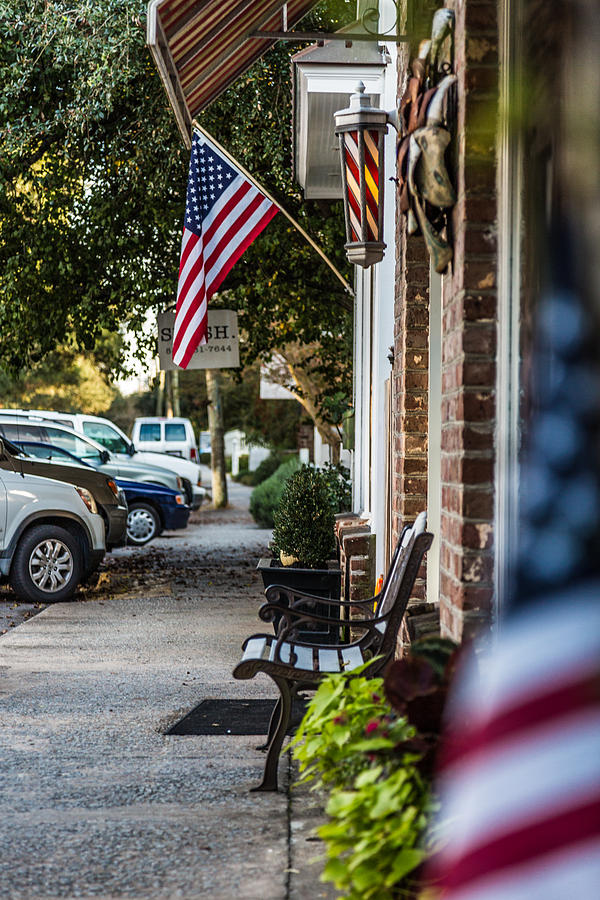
{"points": [[222, 348]]}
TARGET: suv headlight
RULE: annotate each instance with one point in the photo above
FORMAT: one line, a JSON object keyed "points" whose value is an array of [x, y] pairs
{"points": [[179, 500], [179, 484], [87, 499]]}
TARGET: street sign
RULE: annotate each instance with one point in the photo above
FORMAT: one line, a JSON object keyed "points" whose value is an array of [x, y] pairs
{"points": [[222, 348]]}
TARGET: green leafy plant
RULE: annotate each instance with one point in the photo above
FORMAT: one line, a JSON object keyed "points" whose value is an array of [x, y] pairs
{"points": [[265, 498], [339, 486], [304, 520], [347, 720], [370, 742]]}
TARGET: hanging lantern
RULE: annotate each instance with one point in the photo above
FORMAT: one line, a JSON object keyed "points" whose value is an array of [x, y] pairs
{"points": [[361, 129]]}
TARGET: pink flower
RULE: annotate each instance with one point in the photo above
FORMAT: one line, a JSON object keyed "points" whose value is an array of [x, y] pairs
{"points": [[373, 725]]}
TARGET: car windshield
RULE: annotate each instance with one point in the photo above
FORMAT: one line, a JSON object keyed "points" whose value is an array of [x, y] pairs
{"points": [[75, 444], [105, 435]]}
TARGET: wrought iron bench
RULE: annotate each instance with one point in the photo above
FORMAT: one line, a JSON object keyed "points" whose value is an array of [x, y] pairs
{"points": [[297, 665]]}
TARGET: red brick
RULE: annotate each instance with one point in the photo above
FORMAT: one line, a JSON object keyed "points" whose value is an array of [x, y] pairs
{"points": [[416, 381], [479, 373], [480, 276], [482, 79], [477, 504], [417, 339], [481, 50], [476, 470], [479, 209], [479, 340], [481, 308], [477, 536], [478, 406], [417, 316], [481, 18]]}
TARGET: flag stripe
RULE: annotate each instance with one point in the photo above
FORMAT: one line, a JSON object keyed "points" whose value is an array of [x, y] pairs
{"points": [[517, 720], [575, 825]]}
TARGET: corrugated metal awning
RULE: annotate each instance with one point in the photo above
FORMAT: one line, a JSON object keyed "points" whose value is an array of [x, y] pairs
{"points": [[201, 46]]}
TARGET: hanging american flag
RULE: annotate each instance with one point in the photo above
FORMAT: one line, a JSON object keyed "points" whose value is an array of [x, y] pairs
{"points": [[520, 776], [224, 213]]}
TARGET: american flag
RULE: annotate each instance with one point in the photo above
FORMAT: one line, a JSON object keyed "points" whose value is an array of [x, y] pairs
{"points": [[224, 213], [520, 774]]}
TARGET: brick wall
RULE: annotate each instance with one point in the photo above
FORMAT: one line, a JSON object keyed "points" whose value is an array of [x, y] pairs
{"points": [[469, 334], [469, 344]]}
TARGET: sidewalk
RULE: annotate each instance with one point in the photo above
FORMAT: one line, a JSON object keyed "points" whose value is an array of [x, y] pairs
{"points": [[96, 800]]}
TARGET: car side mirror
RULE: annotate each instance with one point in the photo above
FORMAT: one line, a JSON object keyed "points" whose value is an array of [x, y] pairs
{"points": [[104, 456], [131, 450]]}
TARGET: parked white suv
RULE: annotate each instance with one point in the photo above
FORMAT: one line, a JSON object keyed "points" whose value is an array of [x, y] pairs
{"points": [[51, 536], [174, 436], [109, 435]]}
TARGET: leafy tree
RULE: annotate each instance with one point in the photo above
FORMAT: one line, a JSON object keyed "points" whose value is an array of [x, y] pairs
{"points": [[92, 184], [64, 380]]}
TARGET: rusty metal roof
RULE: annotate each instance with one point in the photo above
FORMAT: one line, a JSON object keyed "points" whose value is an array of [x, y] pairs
{"points": [[201, 46]]}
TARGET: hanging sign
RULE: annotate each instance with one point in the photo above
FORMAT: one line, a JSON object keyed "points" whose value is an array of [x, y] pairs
{"points": [[222, 348]]}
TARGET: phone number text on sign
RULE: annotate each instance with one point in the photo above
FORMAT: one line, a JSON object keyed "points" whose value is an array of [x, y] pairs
{"points": [[221, 351]]}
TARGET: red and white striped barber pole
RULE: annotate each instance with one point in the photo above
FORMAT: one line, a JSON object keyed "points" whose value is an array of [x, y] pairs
{"points": [[361, 129]]}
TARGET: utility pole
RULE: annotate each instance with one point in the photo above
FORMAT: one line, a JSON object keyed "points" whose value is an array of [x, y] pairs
{"points": [[160, 393], [217, 438], [175, 392], [169, 395]]}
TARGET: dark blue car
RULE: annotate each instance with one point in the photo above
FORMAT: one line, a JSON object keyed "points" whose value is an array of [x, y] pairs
{"points": [[153, 508]]}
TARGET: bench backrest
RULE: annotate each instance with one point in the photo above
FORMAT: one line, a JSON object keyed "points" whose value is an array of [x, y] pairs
{"points": [[398, 564], [396, 592]]}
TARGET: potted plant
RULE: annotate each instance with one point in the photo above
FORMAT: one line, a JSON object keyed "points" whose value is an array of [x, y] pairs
{"points": [[304, 541]]}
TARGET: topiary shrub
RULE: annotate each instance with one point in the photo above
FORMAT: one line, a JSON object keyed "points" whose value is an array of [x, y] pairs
{"points": [[265, 498], [304, 519]]}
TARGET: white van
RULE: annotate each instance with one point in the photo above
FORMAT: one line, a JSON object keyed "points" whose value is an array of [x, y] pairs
{"points": [[173, 436]]}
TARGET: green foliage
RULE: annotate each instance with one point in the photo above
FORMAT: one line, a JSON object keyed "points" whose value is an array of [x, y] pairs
{"points": [[92, 190], [347, 719], [353, 744], [270, 422], [339, 486], [304, 520], [65, 380], [265, 498], [264, 469]]}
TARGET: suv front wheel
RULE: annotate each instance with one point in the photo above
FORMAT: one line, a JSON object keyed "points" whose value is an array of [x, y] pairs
{"points": [[48, 565]]}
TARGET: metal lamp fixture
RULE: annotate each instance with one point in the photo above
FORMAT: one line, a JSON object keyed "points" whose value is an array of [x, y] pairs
{"points": [[361, 129]]}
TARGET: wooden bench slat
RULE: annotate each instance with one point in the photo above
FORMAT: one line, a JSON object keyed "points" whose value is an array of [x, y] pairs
{"points": [[329, 661], [352, 658]]}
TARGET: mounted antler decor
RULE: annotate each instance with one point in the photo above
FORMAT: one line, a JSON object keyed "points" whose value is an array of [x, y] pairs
{"points": [[426, 192]]}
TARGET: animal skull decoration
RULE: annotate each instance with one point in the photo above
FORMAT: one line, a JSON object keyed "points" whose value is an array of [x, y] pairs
{"points": [[423, 180]]}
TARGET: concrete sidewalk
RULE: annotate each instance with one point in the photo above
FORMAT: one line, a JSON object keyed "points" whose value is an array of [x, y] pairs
{"points": [[96, 800]]}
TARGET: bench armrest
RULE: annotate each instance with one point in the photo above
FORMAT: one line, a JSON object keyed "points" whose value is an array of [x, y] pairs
{"points": [[296, 598], [294, 616]]}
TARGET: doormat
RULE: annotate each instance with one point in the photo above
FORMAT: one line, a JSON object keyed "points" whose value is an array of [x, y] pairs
{"points": [[234, 717]]}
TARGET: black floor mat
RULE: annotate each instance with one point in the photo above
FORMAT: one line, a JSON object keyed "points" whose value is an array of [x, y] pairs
{"points": [[234, 717]]}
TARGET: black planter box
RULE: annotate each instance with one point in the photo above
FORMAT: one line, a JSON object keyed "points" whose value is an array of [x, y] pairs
{"points": [[324, 583]]}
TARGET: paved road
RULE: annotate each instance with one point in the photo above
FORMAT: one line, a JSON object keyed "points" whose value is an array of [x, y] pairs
{"points": [[95, 800]]}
